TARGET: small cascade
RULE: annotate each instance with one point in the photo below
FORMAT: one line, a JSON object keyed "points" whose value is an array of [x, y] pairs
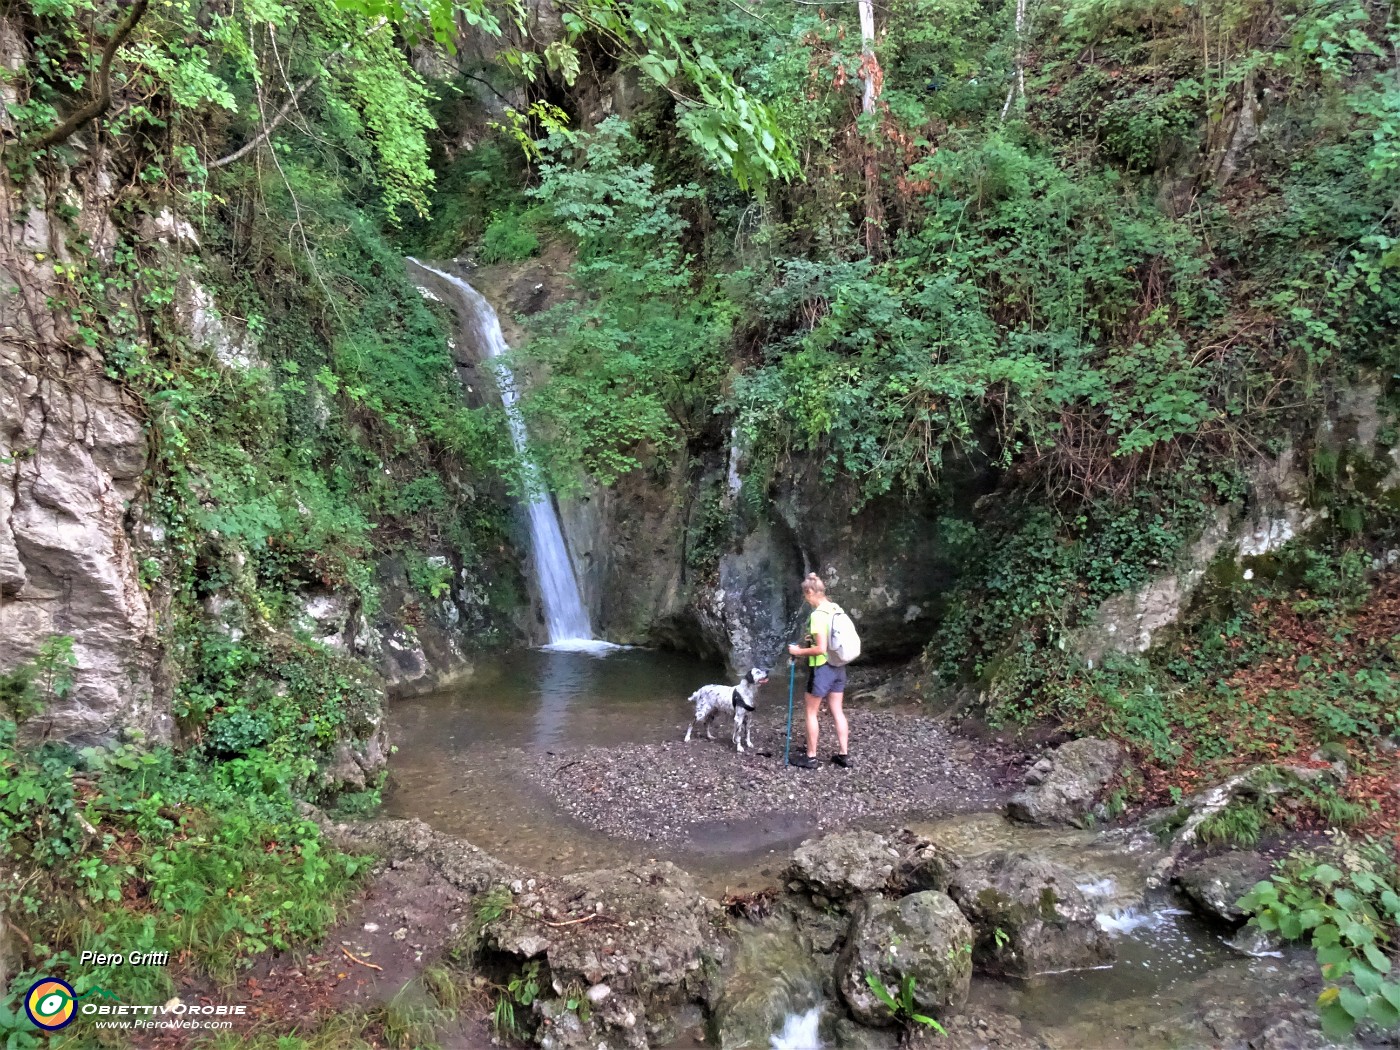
{"points": [[565, 615], [800, 1031]]}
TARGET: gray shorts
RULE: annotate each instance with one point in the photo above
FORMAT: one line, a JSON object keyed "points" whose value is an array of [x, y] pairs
{"points": [[826, 679]]}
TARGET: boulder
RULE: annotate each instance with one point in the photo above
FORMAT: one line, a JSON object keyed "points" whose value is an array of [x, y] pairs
{"points": [[922, 865], [1063, 786], [1214, 884], [1029, 914], [645, 931], [922, 936], [846, 865], [466, 867]]}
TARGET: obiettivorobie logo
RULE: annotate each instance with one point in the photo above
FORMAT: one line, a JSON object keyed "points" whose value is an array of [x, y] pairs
{"points": [[52, 1004]]}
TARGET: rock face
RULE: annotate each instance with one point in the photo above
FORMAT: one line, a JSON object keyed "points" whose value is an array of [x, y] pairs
{"points": [[1029, 915], [1275, 510], [845, 865], [696, 560], [644, 931], [923, 936], [1214, 884], [72, 452], [1063, 786]]}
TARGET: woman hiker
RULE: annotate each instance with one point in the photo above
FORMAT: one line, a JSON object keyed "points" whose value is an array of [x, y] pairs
{"points": [[824, 682]]}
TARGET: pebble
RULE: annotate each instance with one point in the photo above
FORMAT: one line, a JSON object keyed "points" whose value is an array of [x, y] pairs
{"points": [[902, 762]]}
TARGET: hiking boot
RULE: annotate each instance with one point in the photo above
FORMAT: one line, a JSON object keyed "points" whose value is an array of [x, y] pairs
{"points": [[844, 761], [805, 762]]}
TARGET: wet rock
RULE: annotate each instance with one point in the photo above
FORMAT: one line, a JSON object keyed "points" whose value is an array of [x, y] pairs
{"points": [[841, 1031], [984, 1030], [922, 865], [770, 975], [1029, 914], [1063, 786], [356, 764], [922, 936], [1254, 942], [1214, 884], [845, 865], [822, 929], [644, 931], [461, 864]]}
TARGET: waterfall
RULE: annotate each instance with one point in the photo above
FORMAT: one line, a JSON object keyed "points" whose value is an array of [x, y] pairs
{"points": [[564, 612], [800, 1031]]}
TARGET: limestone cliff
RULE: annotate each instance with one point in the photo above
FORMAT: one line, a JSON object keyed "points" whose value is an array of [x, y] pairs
{"points": [[72, 453]]}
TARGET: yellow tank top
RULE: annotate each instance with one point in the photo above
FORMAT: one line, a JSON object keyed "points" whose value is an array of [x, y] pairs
{"points": [[820, 627]]}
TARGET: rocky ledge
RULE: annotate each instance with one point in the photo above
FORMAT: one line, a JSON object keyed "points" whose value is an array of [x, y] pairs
{"points": [[636, 955]]}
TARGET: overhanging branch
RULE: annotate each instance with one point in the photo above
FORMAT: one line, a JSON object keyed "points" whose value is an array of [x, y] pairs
{"points": [[102, 100], [271, 126]]}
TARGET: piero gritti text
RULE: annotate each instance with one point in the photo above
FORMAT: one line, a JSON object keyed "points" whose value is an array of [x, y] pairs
{"points": [[129, 959]]}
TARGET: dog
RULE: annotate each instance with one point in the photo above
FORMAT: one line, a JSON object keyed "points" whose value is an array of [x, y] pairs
{"points": [[711, 700]]}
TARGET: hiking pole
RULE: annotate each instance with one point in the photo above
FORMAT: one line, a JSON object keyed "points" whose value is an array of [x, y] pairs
{"points": [[792, 677]]}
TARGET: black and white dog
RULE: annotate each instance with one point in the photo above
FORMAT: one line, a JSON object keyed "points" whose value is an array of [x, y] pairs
{"points": [[711, 700]]}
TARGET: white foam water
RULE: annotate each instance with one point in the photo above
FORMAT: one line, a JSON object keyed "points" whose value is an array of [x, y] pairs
{"points": [[1127, 920], [1101, 889], [594, 646], [800, 1031], [566, 618]]}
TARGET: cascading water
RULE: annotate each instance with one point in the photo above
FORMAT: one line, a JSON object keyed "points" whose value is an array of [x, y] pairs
{"points": [[565, 616]]}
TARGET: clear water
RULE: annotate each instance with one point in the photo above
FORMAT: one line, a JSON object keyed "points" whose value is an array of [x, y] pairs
{"points": [[459, 753], [457, 767], [566, 617]]}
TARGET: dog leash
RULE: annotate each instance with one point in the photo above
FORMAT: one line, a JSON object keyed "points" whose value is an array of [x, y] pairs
{"points": [[792, 677]]}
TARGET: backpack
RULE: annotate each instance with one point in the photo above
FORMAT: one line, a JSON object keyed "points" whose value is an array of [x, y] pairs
{"points": [[842, 641]]}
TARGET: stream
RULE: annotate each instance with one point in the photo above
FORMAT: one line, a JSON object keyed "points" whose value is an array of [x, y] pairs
{"points": [[614, 714], [458, 767]]}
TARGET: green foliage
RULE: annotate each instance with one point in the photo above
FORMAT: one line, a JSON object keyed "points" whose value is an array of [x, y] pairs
{"points": [[519, 992], [1240, 824], [1030, 578], [486, 908], [294, 701], [508, 239], [179, 64], [632, 365], [31, 686], [469, 190], [710, 532], [1350, 915], [735, 131], [903, 1008], [123, 849]]}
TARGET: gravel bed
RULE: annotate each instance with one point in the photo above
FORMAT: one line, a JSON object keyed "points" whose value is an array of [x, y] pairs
{"points": [[901, 763]]}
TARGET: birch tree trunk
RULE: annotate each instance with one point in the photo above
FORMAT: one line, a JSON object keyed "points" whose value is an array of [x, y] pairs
{"points": [[868, 66], [1018, 85], [871, 78]]}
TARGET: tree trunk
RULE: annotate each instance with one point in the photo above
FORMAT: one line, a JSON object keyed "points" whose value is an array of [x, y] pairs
{"points": [[871, 77], [869, 68], [1018, 84]]}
